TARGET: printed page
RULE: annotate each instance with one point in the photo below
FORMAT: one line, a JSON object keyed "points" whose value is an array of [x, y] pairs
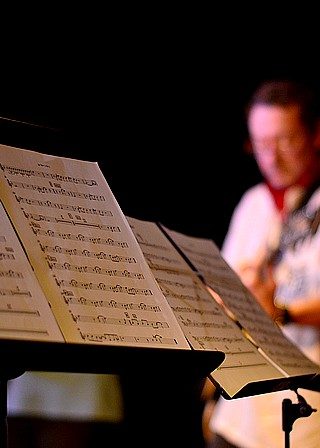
{"points": [[24, 310], [204, 323], [84, 253], [206, 258]]}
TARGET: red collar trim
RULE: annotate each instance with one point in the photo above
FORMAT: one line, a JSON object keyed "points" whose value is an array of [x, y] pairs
{"points": [[278, 194]]}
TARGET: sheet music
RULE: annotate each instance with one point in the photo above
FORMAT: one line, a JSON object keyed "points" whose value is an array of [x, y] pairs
{"points": [[83, 252], [24, 310], [203, 322], [206, 258]]}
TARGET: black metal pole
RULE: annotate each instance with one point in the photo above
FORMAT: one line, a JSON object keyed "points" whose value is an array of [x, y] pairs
{"points": [[290, 413]]}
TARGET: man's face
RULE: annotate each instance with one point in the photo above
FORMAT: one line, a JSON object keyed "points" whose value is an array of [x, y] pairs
{"points": [[281, 144]]}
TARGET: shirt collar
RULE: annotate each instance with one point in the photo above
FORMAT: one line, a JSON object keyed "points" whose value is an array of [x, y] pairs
{"points": [[279, 195]]}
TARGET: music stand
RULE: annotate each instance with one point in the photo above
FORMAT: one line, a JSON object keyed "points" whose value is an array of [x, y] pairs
{"points": [[175, 373]]}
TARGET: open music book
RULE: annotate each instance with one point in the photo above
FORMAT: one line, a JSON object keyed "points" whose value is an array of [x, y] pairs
{"points": [[74, 269], [217, 312], [86, 267]]}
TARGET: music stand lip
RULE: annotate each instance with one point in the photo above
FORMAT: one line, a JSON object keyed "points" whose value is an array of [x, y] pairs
{"points": [[94, 358]]}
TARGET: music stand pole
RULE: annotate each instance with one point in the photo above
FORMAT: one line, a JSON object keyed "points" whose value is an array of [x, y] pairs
{"points": [[291, 412]]}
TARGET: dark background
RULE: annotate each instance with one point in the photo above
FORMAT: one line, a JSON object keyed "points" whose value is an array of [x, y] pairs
{"points": [[156, 98], [159, 108]]}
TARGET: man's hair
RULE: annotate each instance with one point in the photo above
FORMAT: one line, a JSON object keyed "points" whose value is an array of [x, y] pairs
{"points": [[287, 93]]}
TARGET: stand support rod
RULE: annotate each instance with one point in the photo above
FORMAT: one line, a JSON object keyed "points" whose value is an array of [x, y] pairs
{"points": [[291, 412]]}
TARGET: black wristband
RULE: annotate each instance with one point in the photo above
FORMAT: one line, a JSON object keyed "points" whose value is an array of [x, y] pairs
{"points": [[283, 316]]}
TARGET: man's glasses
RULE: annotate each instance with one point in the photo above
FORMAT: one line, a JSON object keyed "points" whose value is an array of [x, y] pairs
{"points": [[285, 144]]}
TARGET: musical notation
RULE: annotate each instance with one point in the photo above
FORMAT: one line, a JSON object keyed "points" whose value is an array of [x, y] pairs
{"points": [[10, 274], [116, 258], [93, 270], [60, 206], [57, 191], [24, 311], [14, 292], [77, 241], [117, 289], [155, 339], [15, 170], [112, 304], [133, 321]]}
